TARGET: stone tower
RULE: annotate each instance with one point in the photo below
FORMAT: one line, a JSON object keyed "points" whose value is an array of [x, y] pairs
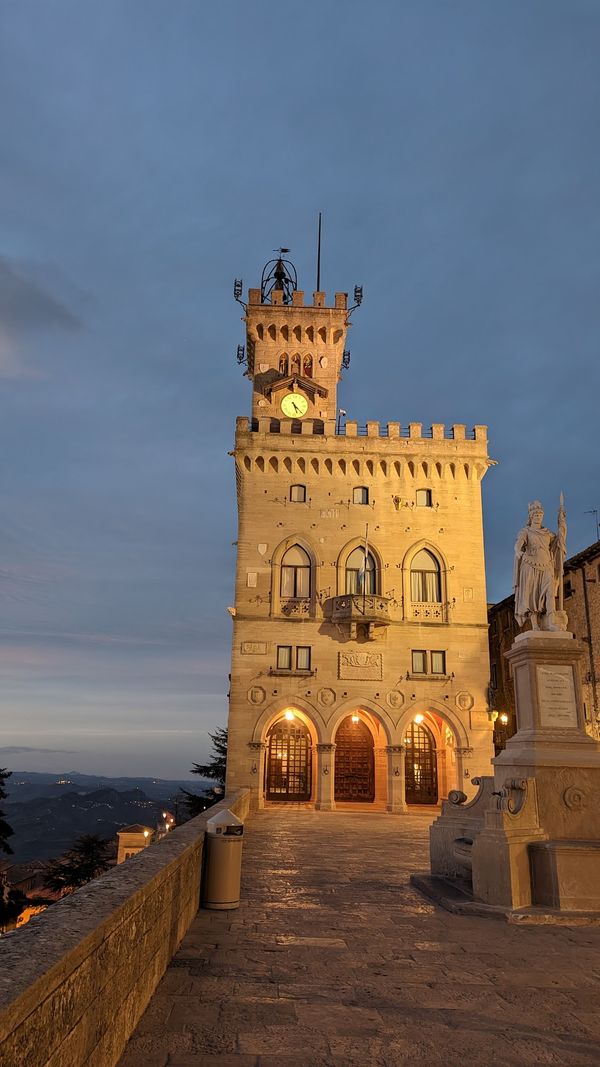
{"points": [[360, 667]]}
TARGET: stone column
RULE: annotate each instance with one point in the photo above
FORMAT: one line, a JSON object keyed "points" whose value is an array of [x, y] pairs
{"points": [[442, 777], [325, 777], [257, 773], [463, 755], [396, 801]]}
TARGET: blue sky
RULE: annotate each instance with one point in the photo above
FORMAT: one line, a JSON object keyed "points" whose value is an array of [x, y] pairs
{"points": [[151, 152]]}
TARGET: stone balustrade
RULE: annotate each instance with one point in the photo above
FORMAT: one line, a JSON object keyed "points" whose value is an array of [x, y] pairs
{"points": [[75, 981]]}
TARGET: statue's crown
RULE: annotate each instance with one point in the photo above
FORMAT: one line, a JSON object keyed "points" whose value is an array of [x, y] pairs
{"points": [[535, 506]]}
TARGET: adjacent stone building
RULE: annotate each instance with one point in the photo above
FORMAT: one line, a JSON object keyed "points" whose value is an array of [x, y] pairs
{"points": [[581, 586], [360, 662]]}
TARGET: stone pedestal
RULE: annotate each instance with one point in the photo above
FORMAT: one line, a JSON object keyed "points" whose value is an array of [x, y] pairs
{"points": [[536, 846], [549, 705]]}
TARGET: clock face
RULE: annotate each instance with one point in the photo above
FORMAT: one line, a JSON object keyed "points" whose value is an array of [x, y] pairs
{"points": [[294, 405]]}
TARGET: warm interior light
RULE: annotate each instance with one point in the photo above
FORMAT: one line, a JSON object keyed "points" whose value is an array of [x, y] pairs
{"points": [[289, 715], [419, 718], [504, 718], [145, 833], [355, 718]]}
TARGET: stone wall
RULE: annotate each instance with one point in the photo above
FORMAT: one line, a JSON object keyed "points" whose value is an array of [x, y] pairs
{"points": [[76, 980]]}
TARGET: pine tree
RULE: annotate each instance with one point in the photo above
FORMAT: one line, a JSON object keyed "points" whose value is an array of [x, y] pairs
{"points": [[217, 767], [85, 860], [5, 830], [196, 803]]}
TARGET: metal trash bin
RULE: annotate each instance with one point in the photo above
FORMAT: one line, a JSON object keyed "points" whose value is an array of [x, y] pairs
{"points": [[223, 862]]}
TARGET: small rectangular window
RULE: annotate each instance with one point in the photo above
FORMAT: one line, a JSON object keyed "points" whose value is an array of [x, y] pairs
{"points": [[284, 657], [493, 676], [424, 498], [360, 495], [419, 662], [298, 494], [303, 658], [438, 662]]}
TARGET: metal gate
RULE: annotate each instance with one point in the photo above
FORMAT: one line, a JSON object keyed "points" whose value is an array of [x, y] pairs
{"points": [[289, 762], [421, 765], [354, 762]]}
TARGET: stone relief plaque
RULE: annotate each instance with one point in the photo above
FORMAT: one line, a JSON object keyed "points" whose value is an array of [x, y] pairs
{"points": [[262, 548], [361, 665], [557, 696], [395, 698], [251, 579], [327, 697], [256, 695], [464, 701], [254, 648]]}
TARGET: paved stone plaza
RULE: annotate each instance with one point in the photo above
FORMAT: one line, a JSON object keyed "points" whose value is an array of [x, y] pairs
{"points": [[334, 960]]}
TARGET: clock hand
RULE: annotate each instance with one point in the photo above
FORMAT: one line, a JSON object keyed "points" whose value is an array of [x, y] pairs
{"points": [[295, 406]]}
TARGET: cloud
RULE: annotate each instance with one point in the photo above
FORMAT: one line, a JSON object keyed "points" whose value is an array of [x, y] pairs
{"points": [[26, 305], [15, 750]]}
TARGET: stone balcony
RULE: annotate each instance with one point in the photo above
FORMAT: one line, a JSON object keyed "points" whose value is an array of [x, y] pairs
{"points": [[358, 609]]}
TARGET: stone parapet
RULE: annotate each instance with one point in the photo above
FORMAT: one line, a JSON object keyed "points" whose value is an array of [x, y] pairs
{"points": [[414, 431], [76, 980]]}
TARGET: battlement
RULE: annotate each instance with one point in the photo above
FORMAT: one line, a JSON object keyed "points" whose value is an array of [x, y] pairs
{"points": [[412, 432], [319, 300]]}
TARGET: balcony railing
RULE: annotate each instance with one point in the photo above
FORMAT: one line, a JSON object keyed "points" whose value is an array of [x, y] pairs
{"points": [[428, 612], [358, 609]]}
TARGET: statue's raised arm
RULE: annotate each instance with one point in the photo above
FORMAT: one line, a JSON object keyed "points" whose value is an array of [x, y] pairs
{"points": [[538, 569]]}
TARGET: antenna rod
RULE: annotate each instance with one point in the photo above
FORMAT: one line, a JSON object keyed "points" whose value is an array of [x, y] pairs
{"points": [[319, 256]]}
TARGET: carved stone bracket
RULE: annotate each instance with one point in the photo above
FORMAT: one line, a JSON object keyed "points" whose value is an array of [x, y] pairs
{"points": [[257, 746], [511, 797], [325, 748], [466, 753], [395, 750]]}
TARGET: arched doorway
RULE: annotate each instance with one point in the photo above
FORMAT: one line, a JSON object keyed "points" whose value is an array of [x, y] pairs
{"points": [[288, 771], [354, 761], [421, 765]]}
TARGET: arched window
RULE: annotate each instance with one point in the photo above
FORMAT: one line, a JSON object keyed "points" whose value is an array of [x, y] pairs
{"points": [[361, 579], [425, 579], [295, 573], [307, 364], [298, 494], [283, 365]]}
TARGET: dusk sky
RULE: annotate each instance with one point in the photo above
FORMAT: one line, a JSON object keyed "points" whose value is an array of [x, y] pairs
{"points": [[153, 150]]}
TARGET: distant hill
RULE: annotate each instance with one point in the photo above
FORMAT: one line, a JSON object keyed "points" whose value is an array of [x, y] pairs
{"points": [[25, 785], [47, 816]]}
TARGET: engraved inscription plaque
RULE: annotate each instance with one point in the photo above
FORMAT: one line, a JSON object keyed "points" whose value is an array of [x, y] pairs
{"points": [[254, 648], [557, 696]]}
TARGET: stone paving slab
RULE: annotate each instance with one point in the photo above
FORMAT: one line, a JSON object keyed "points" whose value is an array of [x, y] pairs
{"points": [[334, 960]]}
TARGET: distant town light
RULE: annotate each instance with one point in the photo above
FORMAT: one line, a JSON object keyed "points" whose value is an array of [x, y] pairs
{"points": [[146, 832]]}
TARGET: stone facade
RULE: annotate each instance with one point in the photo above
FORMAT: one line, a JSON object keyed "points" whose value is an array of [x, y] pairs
{"points": [[317, 644], [581, 587]]}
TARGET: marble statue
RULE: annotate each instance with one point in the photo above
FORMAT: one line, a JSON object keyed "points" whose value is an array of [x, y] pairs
{"points": [[538, 571]]}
